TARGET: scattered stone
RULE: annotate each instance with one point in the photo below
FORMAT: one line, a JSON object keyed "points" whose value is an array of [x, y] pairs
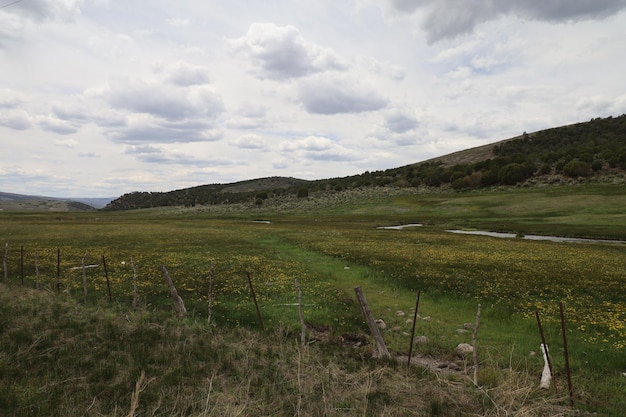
{"points": [[462, 331], [420, 340], [427, 318], [409, 321], [400, 313], [381, 324], [469, 326], [464, 349]]}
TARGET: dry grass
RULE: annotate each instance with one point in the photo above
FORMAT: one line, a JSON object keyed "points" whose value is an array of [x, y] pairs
{"points": [[60, 358]]}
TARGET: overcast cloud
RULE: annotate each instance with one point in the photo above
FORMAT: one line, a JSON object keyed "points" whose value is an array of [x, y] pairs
{"points": [[101, 97]]}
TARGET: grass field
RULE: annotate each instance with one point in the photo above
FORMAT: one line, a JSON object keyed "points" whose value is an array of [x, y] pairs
{"points": [[330, 249]]}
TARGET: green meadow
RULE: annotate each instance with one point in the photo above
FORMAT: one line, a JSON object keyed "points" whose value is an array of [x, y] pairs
{"points": [[330, 248]]}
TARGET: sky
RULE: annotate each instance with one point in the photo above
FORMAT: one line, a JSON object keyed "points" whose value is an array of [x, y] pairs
{"points": [[103, 97]]}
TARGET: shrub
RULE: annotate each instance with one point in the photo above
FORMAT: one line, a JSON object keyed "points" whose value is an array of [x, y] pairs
{"points": [[511, 174], [576, 168]]}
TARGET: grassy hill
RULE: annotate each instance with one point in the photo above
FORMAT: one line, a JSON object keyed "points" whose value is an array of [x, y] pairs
{"points": [[20, 202], [590, 151]]}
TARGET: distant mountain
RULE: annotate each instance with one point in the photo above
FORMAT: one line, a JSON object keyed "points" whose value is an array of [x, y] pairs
{"points": [[594, 149], [95, 202], [21, 202]]}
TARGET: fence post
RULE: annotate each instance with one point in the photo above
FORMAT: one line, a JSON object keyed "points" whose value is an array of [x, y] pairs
{"points": [[256, 304], [58, 270], [22, 264], [545, 348], [178, 302], [301, 314], [367, 313], [567, 368], [475, 345], [417, 303], [4, 262]]}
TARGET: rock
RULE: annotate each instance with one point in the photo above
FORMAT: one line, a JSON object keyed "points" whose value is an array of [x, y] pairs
{"points": [[420, 340], [464, 349], [469, 326], [409, 321], [461, 331], [427, 318], [381, 324], [400, 313]]}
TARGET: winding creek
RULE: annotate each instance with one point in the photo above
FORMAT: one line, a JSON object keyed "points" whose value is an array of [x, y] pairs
{"points": [[558, 239]]}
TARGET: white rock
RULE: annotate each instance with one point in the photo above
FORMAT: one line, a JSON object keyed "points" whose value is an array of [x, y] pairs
{"points": [[381, 324], [400, 313], [464, 349], [420, 340], [427, 318]]}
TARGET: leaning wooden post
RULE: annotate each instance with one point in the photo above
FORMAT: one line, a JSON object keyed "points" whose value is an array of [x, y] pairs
{"points": [[106, 274], [178, 302], [474, 345], [369, 318], [301, 314], [544, 349], [256, 304], [211, 276], [567, 368], [417, 303]]}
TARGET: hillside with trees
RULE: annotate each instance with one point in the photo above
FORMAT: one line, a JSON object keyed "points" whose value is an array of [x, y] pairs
{"points": [[594, 149]]}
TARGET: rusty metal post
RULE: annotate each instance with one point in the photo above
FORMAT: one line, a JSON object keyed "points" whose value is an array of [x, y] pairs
{"points": [[256, 304], [543, 341], [567, 368], [106, 274], [417, 303]]}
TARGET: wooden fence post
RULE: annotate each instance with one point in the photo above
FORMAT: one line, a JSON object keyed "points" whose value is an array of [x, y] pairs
{"points": [[301, 314], [475, 345], [22, 264], [58, 270], [211, 276], [4, 262], [135, 295], [178, 302], [84, 277], [36, 270], [369, 318]]}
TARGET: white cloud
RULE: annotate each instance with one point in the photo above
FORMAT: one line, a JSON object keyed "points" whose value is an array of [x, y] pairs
{"points": [[315, 148], [442, 19], [250, 141], [330, 94], [280, 52], [16, 119]]}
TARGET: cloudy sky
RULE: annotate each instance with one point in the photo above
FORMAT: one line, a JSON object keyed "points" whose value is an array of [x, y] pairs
{"points": [[103, 97]]}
